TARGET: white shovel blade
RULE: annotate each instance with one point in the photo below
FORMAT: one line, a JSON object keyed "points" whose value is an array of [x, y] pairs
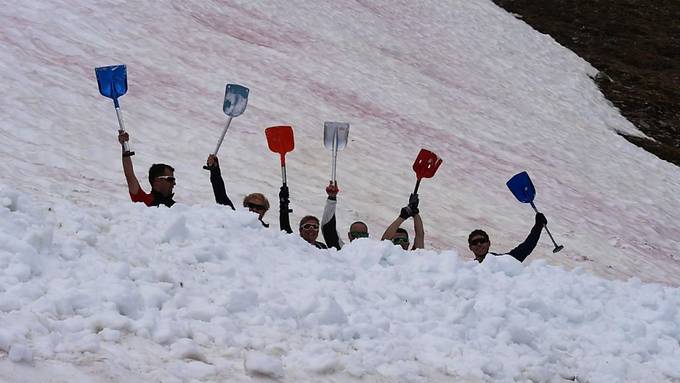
{"points": [[235, 100], [331, 129]]}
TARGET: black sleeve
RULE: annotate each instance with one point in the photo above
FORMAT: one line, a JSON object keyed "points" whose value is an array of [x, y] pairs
{"points": [[284, 219], [330, 234], [525, 248], [328, 225], [218, 187]]}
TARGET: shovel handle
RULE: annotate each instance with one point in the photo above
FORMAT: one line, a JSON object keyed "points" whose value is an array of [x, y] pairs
{"points": [[219, 142], [415, 191], [126, 150], [224, 132], [283, 167], [121, 128], [557, 247], [335, 156]]}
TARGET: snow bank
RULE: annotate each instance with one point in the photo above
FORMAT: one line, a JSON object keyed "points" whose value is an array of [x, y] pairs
{"points": [[212, 289]]}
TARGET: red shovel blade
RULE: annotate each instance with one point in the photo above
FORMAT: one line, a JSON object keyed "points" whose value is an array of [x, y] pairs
{"points": [[426, 164], [280, 140]]}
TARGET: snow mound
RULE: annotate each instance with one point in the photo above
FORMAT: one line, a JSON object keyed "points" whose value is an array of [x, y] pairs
{"points": [[211, 293]]}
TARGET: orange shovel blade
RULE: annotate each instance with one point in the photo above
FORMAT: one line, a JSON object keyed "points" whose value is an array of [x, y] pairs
{"points": [[280, 139]]}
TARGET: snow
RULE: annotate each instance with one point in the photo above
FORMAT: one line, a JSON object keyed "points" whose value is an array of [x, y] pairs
{"points": [[206, 297], [94, 288]]}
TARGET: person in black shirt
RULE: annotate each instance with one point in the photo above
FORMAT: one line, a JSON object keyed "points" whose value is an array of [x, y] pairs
{"points": [[255, 202], [479, 242]]}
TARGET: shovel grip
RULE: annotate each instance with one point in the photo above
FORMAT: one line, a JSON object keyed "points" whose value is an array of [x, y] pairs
{"points": [[126, 150], [121, 129], [415, 191], [557, 247]]}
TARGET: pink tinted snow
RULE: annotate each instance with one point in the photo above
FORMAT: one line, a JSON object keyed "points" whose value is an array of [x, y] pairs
{"points": [[489, 110]]}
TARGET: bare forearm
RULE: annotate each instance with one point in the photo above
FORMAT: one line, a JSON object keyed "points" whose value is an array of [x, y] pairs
{"points": [[391, 231], [419, 241], [129, 171]]}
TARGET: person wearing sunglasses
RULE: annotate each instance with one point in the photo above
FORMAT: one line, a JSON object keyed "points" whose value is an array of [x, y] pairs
{"points": [[255, 202], [258, 204], [161, 178], [309, 231], [479, 242], [357, 230], [329, 230], [399, 236]]}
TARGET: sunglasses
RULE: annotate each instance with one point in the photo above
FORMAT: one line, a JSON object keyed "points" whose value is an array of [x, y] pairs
{"points": [[254, 206], [358, 234], [399, 240], [478, 241], [170, 179], [309, 226]]}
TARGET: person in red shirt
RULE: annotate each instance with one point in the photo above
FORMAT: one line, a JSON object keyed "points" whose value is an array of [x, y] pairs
{"points": [[161, 178]]}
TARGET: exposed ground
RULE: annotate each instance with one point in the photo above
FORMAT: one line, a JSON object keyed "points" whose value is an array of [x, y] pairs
{"points": [[635, 44]]}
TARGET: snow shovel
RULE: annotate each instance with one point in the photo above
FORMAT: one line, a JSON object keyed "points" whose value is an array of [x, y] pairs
{"points": [[335, 138], [112, 82], [235, 101], [523, 189], [425, 166], [280, 140]]}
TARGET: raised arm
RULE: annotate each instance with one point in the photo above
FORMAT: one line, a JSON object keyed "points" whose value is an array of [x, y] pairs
{"points": [[405, 213], [391, 230], [217, 182], [328, 222], [128, 169], [419, 241], [522, 251], [284, 210]]}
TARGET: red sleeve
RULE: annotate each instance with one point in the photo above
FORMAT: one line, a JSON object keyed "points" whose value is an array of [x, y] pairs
{"points": [[141, 196]]}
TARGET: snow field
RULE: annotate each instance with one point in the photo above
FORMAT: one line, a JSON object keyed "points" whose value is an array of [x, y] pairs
{"points": [[210, 287]]}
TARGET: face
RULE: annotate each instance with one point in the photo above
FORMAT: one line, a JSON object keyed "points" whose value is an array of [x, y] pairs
{"points": [[256, 205], [357, 230], [309, 230], [164, 183], [401, 239], [479, 245]]}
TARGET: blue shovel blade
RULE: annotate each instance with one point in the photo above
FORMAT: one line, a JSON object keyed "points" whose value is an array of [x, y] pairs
{"points": [[112, 80], [235, 100], [521, 186]]}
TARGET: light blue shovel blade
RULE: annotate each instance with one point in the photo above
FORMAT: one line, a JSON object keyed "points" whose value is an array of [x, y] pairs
{"points": [[235, 100]]}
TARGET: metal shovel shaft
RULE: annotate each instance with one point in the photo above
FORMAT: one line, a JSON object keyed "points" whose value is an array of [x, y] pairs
{"points": [[335, 155], [224, 132], [415, 191], [550, 235], [546, 229], [121, 127]]}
